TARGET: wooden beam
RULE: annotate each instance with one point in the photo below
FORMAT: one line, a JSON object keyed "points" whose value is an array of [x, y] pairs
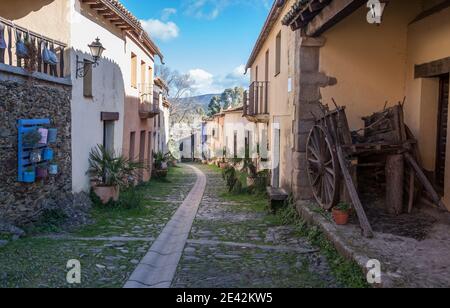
{"points": [[363, 220], [332, 14], [434, 10], [432, 69], [109, 116]]}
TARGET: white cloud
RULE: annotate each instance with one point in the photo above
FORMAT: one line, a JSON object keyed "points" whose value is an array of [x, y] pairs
{"points": [[203, 81], [164, 31], [207, 83], [167, 12], [211, 9]]}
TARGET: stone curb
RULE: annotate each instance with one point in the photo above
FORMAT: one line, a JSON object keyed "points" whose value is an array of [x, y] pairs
{"points": [[158, 267], [342, 246]]}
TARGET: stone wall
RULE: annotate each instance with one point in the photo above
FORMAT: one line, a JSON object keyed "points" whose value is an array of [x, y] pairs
{"points": [[22, 203]]}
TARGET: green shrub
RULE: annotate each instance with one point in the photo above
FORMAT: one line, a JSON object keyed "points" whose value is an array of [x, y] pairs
{"points": [[50, 221], [131, 199], [237, 188]]}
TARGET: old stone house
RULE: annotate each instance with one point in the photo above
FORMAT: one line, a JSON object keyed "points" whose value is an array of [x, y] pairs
{"points": [[404, 53], [270, 99], [84, 97]]}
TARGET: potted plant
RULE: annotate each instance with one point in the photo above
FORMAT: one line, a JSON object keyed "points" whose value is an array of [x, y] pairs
{"points": [[252, 173], [44, 135], [53, 168], [52, 135], [29, 175], [110, 172], [341, 213], [31, 138], [47, 154], [42, 171], [160, 162]]}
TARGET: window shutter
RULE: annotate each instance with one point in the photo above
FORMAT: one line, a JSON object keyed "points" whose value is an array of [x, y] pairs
{"points": [[87, 80]]}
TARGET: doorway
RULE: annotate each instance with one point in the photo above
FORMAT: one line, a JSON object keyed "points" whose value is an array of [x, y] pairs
{"points": [[276, 156], [108, 136], [441, 152], [142, 154]]}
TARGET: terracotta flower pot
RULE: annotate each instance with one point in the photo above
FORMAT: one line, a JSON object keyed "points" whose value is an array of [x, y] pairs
{"points": [[251, 181], [161, 173], [107, 193], [223, 165], [340, 217], [41, 173]]}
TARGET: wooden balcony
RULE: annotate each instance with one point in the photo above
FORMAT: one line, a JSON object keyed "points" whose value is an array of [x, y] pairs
{"points": [[256, 102], [33, 62], [148, 109]]}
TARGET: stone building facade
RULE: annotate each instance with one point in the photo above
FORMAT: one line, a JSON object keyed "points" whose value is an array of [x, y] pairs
{"points": [[22, 203]]}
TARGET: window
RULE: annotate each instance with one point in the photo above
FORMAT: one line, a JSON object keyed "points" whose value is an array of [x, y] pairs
{"points": [[235, 154], [256, 73], [108, 136], [149, 150], [159, 143], [143, 72], [142, 147], [133, 71], [87, 79], [266, 71], [132, 145], [278, 55], [150, 75]]}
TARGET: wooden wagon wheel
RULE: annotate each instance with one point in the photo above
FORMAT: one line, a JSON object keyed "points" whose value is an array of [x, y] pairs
{"points": [[323, 168]]}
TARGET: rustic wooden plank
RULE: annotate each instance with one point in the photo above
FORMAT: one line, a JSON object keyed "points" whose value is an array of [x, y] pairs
{"points": [[412, 187], [61, 62], [424, 181], [432, 69], [363, 220], [109, 116], [394, 184], [10, 42]]}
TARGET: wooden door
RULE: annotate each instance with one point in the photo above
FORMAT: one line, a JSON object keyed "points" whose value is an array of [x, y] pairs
{"points": [[442, 132]]}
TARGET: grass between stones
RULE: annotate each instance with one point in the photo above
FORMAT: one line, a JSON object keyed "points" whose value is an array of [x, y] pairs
{"points": [[346, 272], [40, 262]]}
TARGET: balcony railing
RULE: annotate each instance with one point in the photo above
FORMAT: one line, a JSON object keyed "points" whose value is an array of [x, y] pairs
{"points": [[147, 106], [33, 60], [256, 100]]}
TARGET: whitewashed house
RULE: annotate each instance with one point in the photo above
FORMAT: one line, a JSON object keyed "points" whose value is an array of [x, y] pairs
{"points": [[100, 89]]}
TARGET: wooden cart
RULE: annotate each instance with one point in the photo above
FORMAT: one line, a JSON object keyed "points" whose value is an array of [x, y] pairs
{"points": [[333, 152]]}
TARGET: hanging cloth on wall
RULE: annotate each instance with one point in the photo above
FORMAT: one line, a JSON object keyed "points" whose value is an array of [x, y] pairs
{"points": [[2, 36], [48, 56], [21, 48]]}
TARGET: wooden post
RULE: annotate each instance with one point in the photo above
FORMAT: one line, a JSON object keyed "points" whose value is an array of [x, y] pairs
{"points": [[395, 169]]}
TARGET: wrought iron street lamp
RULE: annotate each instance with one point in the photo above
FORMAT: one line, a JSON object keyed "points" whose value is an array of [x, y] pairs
{"points": [[97, 50]]}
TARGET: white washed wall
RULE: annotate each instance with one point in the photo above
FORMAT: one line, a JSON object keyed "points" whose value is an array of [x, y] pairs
{"points": [[108, 90]]}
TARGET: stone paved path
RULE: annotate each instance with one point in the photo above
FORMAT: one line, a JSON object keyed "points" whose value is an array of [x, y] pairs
{"points": [[233, 245], [158, 267]]}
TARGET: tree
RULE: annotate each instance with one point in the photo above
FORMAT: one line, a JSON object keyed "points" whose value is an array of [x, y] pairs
{"points": [[232, 97], [227, 98], [214, 106], [180, 86]]}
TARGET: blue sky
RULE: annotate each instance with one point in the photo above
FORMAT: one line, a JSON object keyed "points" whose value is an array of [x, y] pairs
{"points": [[209, 39]]}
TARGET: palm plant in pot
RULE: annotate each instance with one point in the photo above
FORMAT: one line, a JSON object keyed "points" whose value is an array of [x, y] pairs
{"points": [[252, 172], [223, 163], [110, 172], [341, 213], [160, 162]]}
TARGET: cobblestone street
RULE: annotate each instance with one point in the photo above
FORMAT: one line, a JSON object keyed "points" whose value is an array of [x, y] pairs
{"points": [[237, 244]]}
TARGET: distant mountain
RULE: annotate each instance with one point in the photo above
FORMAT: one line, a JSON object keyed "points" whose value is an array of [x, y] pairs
{"points": [[202, 100]]}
